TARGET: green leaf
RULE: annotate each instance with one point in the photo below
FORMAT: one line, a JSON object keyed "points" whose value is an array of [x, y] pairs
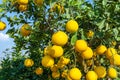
{"points": [[10, 32], [82, 34], [91, 14], [67, 13], [1, 10], [101, 24], [117, 8], [104, 2], [115, 30], [117, 79], [4, 1], [118, 38], [74, 39], [102, 60]]}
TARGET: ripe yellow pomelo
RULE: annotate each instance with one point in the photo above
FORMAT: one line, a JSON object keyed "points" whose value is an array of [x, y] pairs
{"points": [[38, 71], [22, 7], [91, 75], [28, 62], [56, 51], [47, 50], [24, 2], [72, 26], [2, 25], [115, 60], [110, 52], [87, 54], [101, 71], [101, 49], [75, 74], [80, 45], [25, 30], [112, 72], [47, 61], [39, 2], [59, 38]]}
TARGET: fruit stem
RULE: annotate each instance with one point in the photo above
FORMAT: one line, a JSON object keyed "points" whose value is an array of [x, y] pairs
{"points": [[69, 52], [74, 58]]}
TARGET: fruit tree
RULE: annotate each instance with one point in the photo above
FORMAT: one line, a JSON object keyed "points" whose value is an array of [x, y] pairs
{"points": [[61, 39]]}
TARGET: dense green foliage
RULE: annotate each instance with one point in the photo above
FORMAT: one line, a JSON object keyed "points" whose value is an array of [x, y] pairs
{"points": [[102, 17]]}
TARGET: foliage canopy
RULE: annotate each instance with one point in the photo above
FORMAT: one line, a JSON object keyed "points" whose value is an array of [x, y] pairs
{"points": [[44, 19]]}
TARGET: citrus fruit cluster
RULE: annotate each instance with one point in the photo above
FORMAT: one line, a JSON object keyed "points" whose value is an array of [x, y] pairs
{"points": [[90, 57], [62, 58], [23, 4], [61, 65]]}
